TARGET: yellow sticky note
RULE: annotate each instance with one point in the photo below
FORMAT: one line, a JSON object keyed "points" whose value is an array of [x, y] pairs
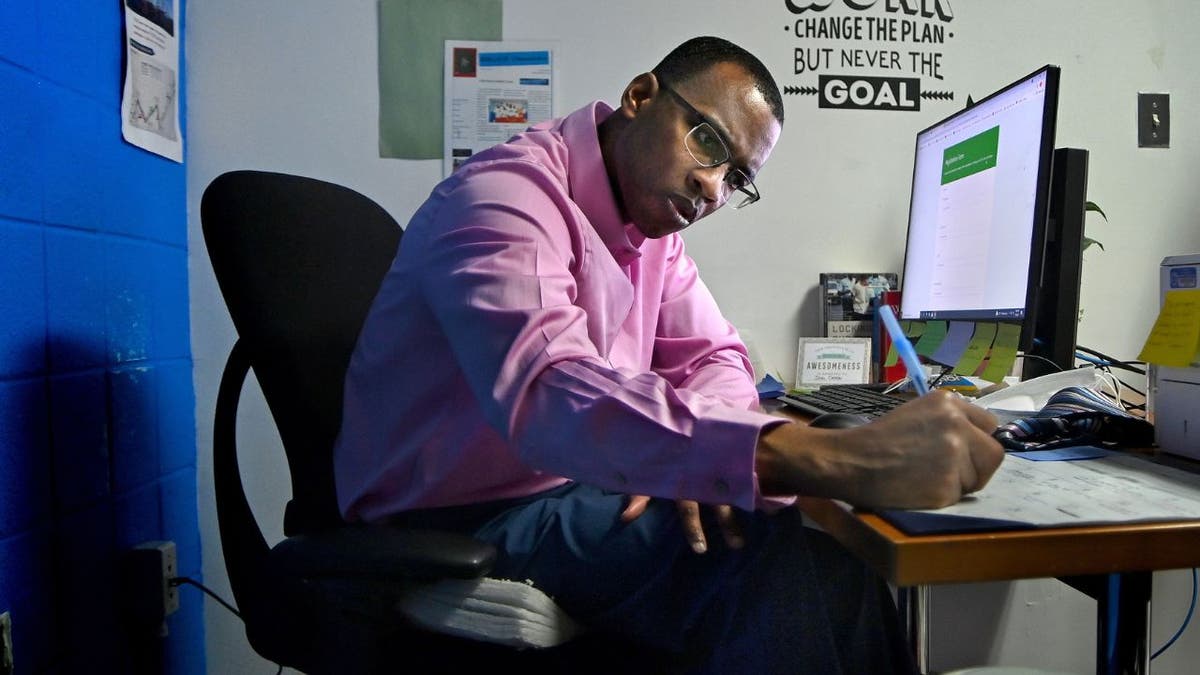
{"points": [[977, 348], [1004, 352], [1174, 340]]}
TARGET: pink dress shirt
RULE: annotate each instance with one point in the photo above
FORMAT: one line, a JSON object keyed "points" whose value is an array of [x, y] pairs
{"points": [[527, 335]]}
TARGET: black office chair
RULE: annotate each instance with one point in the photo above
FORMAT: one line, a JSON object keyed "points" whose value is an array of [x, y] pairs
{"points": [[298, 262]]}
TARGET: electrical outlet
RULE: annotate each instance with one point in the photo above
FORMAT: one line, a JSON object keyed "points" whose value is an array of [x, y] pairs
{"points": [[6, 645], [150, 595], [170, 570]]}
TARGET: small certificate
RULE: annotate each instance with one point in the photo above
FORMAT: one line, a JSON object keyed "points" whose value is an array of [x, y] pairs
{"points": [[825, 361]]}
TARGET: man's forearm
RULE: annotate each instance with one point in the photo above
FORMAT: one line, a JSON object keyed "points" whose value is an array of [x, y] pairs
{"points": [[927, 453]]}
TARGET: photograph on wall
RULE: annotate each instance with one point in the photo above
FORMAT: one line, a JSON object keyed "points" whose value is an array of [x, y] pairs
{"points": [[848, 301]]}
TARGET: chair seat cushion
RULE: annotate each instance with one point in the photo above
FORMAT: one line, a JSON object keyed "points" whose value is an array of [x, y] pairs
{"points": [[492, 610]]}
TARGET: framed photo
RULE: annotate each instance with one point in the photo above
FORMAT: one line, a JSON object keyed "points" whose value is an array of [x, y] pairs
{"points": [[825, 361], [848, 301]]}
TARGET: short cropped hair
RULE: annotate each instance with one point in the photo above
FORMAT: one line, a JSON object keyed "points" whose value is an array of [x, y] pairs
{"points": [[700, 53]]}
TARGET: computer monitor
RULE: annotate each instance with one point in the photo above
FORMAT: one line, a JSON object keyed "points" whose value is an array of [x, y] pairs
{"points": [[981, 191]]}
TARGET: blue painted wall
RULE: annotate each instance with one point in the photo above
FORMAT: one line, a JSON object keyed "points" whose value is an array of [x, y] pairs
{"points": [[97, 415]]}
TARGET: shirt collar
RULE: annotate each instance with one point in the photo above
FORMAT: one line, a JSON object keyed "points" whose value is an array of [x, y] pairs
{"points": [[589, 186]]}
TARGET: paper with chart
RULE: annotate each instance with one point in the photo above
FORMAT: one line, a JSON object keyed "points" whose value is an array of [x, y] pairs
{"points": [[150, 98], [493, 91], [1112, 488]]}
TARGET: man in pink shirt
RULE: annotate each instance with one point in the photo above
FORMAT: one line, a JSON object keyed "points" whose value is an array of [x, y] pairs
{"points": [[544, 369]]}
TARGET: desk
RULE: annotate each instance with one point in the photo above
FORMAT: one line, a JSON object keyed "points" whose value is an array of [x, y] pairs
{"points": [[1112, 563]]}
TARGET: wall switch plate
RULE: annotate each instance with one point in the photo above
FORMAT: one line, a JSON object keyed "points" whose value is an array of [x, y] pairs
{"points": [[1154, 120], [6, 645]]}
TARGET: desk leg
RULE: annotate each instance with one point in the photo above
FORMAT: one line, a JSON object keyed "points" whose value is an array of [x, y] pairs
{"points": [[1123, 624], [913, 604]]}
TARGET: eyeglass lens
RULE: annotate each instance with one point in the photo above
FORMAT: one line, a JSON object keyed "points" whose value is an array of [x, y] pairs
{"points": [[707, 148]]}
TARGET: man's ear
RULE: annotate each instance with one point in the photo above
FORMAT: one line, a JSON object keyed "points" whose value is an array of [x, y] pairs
{"points": [[643, 88]]}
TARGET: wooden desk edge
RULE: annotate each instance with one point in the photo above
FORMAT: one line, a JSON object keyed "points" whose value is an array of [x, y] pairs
{"points": [[910, 560]]}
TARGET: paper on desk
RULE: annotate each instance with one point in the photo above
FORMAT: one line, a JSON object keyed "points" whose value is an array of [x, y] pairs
{"points": [[1174, 340], [1116, 488], [1068, 454]]}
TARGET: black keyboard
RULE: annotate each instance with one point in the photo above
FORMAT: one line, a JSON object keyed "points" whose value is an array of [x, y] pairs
{"points": [[860, 400]]}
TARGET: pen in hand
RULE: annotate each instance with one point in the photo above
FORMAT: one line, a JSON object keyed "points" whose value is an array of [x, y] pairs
{"points": [[912, 364]]}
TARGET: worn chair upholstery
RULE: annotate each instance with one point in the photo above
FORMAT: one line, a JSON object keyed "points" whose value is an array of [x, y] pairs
{"points": [[298, 262]]}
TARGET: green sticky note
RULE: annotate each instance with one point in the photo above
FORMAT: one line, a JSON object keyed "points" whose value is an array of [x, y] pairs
{"points": [[892, 356], [412, 35], [912, 330], [931, 339], [977, 349], [1004, 352]]}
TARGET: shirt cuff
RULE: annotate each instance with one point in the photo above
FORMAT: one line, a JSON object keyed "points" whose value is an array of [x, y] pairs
{"points": [[730, 436]]}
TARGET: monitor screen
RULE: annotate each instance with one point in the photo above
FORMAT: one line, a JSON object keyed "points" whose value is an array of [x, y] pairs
{"points": [[978, 206]]}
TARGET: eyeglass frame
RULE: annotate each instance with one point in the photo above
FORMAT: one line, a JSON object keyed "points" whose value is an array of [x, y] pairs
{"points": [[752, 194]]}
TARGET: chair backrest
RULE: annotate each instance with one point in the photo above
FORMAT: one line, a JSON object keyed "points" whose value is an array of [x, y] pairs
{"points": [[298, 261]]}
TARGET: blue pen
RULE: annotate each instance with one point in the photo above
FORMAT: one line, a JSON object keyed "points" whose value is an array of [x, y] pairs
{"points": [[912, 364]]}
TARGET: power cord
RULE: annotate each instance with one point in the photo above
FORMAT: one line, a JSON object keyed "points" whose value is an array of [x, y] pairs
{"points": [[1107, 363], [946, 370], [1119, 385], [1110, 361], [1039, 357], [1114, 385], [179, 581], [1186, 620]]}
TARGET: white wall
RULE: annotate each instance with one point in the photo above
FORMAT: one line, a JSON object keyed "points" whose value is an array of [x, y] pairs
{"points": [[290, 85]]}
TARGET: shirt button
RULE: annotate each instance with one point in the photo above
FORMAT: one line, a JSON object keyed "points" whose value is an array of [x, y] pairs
{"points": [[721, 486]]}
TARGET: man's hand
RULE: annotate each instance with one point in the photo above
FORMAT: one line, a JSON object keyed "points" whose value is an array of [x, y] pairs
{"points": [[693, 529], [927, 453]]}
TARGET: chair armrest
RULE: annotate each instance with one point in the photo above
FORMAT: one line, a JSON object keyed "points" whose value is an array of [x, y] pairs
{"points": [[383, 552]]}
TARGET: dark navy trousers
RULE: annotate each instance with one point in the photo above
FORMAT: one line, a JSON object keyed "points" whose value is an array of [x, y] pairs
{"points": [[791, 600]]}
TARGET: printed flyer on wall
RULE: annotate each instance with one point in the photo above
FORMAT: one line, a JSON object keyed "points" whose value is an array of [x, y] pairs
{"points": [[150, 99], [493, 90]]}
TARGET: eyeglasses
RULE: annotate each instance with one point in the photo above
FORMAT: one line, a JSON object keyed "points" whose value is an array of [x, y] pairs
{"points": [[706, 145]]}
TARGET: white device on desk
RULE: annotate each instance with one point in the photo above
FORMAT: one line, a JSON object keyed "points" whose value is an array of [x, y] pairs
{"points": [[1175, 392], [1026, 398]]}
